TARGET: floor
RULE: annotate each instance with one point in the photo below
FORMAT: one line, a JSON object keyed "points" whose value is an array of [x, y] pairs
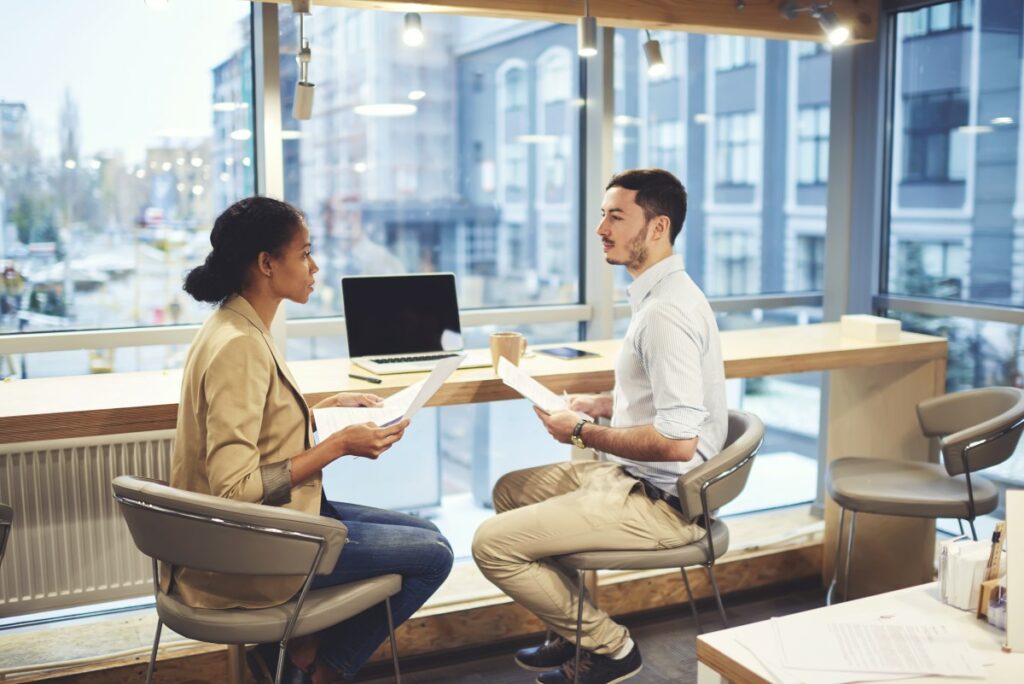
{"points": [[667, 642]]}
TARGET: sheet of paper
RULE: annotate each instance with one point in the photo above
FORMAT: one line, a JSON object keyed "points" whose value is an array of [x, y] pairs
{"points": [[889, 646], [402, 404], [521, 382], [762, 642]]}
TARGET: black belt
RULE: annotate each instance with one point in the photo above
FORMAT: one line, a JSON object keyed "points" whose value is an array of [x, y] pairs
{"points": [[655, 493]]}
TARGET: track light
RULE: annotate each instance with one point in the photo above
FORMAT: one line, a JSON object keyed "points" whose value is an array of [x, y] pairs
{"points": [[836, 32], [586, 33], [302, 108], [412, 35], [655, 64]]}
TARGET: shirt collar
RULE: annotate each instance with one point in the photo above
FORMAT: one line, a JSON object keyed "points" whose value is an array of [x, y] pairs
{"points": [[241, 306], [642, 286]]}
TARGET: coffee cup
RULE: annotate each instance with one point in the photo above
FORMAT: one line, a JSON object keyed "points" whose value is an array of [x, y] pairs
{"points": [[511, 345]]}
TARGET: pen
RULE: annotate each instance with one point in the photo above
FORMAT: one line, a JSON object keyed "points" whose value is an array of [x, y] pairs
{"points": [[367, 378]]}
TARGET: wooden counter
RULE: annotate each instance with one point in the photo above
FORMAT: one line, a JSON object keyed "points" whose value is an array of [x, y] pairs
{"points": [[95, 405]]}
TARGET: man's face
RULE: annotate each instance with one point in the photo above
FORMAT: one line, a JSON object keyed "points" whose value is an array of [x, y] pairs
{"points": [[623, 229]]}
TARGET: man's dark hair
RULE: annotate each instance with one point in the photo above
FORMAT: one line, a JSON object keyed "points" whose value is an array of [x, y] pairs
{"points": [[658, 193]]}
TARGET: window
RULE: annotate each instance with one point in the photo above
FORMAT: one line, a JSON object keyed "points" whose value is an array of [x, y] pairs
{"points": [[809, 48], [106, 200], [733, 269], [732, 52], [954, 16], [810, 262], [935, 151], [812, 145], [930, 269], [737, 149], [483, 149]]}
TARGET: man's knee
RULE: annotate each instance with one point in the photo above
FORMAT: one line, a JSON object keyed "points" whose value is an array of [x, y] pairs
{"points": [[487, 545], [505, 490]]}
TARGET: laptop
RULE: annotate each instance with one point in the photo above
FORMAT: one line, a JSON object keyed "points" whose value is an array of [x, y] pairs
{"points": [[404, 323]]}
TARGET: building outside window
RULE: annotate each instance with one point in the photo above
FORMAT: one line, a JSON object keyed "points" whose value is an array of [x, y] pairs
{"points": [[733, 270], [935, 149], [732, 52], [812, 145], [950, 16], [810, 262], [737, 149]]}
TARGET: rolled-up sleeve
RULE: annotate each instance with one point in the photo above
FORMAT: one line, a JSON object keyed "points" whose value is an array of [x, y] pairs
{"points": [[671, 347], [236, 386]]}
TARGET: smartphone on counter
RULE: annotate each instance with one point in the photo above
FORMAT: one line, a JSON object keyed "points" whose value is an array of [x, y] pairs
{"points": [[566, 353]]}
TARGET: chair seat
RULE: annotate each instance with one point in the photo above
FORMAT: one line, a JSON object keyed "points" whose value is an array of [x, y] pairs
{"points": [[683, 556], [922, 490], [321, 609]]}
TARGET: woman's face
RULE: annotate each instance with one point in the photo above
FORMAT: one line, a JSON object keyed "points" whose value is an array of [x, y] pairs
{"points": [[294, 268]]}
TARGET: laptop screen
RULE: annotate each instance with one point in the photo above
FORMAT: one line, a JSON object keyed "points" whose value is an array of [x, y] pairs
{"points": [[403, 314]]}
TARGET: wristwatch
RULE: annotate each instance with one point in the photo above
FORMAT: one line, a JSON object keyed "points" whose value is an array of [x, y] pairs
{"points": [[577, 435]]}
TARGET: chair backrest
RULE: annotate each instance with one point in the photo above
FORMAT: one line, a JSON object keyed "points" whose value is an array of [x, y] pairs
{"points": [[211, 533], [746, 432], [988, 420], [6, 521]]}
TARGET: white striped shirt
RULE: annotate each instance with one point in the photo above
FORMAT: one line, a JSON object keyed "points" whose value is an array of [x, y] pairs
{"points": [[670, 373]]}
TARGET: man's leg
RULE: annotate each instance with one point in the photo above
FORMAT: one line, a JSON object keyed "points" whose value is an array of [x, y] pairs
{"points": [[604, 511]]}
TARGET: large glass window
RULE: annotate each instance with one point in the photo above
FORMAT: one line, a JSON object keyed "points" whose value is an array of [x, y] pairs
{"points": [[456, 155], [956, 211], [812, 145], [114, 162]]}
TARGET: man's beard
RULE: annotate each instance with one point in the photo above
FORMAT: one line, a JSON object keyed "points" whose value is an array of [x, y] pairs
{"points": [[637, 251]]}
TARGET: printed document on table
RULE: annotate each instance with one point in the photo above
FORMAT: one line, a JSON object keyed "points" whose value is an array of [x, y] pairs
{"points": [[403, 404], [891, 647], [522, 382]]}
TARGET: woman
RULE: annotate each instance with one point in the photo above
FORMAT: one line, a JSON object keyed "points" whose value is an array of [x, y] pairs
{"points": [[244, 432]]}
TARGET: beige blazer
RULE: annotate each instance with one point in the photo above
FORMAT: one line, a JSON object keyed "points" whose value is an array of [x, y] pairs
{"points": [[240, 409]]}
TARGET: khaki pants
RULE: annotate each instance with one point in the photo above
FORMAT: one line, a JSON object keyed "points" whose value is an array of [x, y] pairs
{"points": [[564, 508]]}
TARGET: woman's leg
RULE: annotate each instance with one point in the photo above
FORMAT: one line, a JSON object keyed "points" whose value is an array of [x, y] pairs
{"points": [[403, 545]]}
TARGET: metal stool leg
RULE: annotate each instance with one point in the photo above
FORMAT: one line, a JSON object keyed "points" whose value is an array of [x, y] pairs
{"points": [[580, 584], [282, 654], [718, 596], [689, 595], [152, 656], [974, 533], [835, 562], [960, 521], [849, 554], [394, 642]]}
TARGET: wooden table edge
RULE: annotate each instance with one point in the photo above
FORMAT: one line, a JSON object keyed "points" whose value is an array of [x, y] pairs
{"points": [[726, 666]]}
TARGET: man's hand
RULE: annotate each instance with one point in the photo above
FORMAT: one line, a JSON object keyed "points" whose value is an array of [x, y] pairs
{"points": [[594, 405], [559, 424], [367, 439], [350, 399]]}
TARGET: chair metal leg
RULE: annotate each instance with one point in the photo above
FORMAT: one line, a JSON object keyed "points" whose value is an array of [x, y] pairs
{"points": [[960, 521], [718, 595], [974, 533], [689, 595], [580, 585], [394, 642], [152, 656], [849, 554], [835, 562], [282, 654]]}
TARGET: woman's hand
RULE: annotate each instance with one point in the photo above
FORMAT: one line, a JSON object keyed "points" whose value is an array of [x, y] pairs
{"points": [[368, 440], [349, 399]]}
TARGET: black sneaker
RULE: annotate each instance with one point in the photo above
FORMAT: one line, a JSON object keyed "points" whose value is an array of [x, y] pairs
{"points": [[596, 669], [547, 656]]}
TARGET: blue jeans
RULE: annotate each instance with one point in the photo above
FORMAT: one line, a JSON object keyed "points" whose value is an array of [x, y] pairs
{"points": [[380, 542]]}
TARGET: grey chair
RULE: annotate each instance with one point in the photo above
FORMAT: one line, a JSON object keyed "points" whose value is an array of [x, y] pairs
{"points": [[701, 492], [976, 429], [6, 521], [210, 533]]}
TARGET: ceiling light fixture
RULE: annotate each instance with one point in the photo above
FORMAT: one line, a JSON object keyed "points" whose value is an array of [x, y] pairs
{"points": [[586, 33], [836, 31], [412, 34], [655, 64], [302, 107]]}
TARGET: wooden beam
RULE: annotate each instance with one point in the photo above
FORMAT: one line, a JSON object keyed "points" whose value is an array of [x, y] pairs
{"points": [[759, 18]]}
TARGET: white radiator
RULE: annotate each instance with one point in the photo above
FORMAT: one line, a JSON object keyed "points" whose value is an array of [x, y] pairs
{"points": [[69, 545]]}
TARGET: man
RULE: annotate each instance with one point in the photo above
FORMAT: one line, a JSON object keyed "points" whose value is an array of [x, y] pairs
{"points": [[668, 415]]}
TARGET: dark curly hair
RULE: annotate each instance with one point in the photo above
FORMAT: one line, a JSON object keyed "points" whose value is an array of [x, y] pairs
{"points": [[658, 193], [240, 233]]}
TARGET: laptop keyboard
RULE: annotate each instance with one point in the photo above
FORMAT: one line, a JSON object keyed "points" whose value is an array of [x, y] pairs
{"points": [[407, 359]]}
